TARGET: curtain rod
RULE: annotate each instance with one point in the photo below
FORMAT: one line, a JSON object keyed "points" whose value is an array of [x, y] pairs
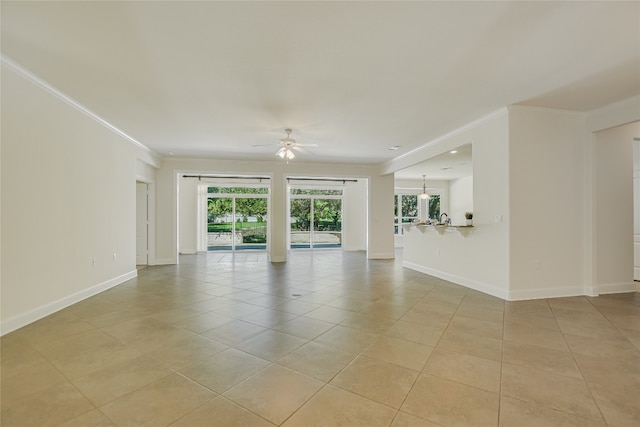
{"points": [[322, 179], [266, 177], [226, 176]]}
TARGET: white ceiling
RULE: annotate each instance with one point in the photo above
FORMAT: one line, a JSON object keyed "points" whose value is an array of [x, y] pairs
{"points": [[215, 78], [454, 164]]}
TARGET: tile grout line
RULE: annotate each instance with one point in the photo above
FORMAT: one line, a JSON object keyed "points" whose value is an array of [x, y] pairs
{"points": [[573, 356]]}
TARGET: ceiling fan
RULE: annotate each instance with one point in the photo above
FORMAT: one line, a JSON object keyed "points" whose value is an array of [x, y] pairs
{"points": [[287, 146]]}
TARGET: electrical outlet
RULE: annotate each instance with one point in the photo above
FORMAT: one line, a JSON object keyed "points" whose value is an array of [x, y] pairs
{"points": [[94, 262], [114, 256], [537, 264]]}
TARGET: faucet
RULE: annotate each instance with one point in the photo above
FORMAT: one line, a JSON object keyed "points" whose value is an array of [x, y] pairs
{"points": [[447, 221]]}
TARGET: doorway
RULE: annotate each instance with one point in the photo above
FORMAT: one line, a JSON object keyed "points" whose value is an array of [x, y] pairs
{"points": [[142, 223], [636, 209]]}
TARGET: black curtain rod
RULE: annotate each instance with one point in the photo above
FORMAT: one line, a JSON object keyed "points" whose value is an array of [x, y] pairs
{"points": [[226, 176], [322, 179], [266, 177]]}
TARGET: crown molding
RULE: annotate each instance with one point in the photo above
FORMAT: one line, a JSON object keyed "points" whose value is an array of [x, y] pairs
{"points": [[151, 156], [615, 114], [520, 107]]}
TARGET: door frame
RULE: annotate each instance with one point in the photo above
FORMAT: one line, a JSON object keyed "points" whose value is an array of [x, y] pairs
{"points": [[151, 218]]}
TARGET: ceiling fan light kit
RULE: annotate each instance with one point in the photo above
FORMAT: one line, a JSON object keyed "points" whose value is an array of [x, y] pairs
{"points": [[287, 146], [285, 153]]}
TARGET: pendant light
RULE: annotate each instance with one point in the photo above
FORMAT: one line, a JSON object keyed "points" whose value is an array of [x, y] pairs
{"points": [[424, 195]]}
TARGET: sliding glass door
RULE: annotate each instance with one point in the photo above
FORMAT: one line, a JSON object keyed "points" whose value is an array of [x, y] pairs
{"points": [[219, 223], [327, 223], [236, 218], [300, 220], [250, 224], [315, 218]]}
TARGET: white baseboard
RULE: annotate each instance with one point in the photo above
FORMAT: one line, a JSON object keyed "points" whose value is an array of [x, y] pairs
{"points": [[31, 316], [382, 255], [574, 291], [527, 294], [617, 288], [463, 281], [188, 252]]}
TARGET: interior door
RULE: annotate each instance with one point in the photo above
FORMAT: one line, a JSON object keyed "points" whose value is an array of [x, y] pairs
{"points": [[636, 210], [142, 223]]}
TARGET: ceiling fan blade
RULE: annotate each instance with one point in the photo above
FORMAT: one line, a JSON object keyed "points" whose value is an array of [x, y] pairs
{"points": [[307, 145], [265, 145], [300, 149]]}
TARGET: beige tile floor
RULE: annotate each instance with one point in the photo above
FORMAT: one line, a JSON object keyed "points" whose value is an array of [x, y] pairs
{"points": [[327, 339]]}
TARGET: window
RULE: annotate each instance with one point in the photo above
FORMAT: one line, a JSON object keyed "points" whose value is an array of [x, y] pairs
{"points": [[406, 208], [409, 207], [237, 190], [434, 206], [315, 192]]}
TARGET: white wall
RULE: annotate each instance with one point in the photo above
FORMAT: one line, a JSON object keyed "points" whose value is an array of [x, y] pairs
{"points": [[479, 258], [380, 242], [567, 214], [145, 172], [68, 197], [460, 199], [354, 216], [188, 215], [613, 194], [546, 162], [380, 223]]}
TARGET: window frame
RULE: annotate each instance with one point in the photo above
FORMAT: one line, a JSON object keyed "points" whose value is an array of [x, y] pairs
{"points": [[397, 219]]}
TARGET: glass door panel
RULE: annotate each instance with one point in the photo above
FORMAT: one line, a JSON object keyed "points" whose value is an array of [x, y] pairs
{"points": [[219, 223], [327, 223], [300, 218], [250, 223]]}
